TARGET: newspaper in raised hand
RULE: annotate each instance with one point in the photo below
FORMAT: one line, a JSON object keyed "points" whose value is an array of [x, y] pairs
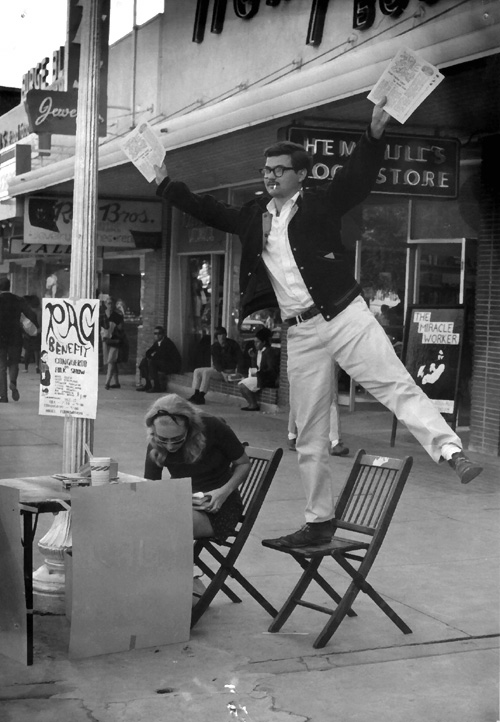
{"points": [[406, 82], [144, 149]]}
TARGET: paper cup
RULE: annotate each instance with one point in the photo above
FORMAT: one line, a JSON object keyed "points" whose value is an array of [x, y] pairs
{"points": [[100, 470]]}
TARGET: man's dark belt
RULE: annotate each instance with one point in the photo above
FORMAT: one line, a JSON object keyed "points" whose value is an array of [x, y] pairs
{"points": [[305, 316]]}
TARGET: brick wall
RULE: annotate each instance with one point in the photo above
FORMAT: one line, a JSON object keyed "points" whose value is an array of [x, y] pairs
{"points": [[154, 292], [284, 387], [485, 401]]}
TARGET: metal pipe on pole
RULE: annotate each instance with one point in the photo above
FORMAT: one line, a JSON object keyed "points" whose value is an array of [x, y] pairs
{"points": [[77, 431]]}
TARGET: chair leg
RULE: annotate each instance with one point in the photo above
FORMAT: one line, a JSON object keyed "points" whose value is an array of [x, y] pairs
{"points": [[361, 582], [334, 622], [208, 596], [358, 584], [296, 595], [321, 581], [235, 574], [211, 574]]}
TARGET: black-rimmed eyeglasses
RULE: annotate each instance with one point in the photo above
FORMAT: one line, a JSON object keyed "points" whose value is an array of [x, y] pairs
{"points": [[277, 171]]}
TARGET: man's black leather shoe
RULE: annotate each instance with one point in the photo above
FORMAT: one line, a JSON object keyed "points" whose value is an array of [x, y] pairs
{"points": [[464, 468], [310, 535]]}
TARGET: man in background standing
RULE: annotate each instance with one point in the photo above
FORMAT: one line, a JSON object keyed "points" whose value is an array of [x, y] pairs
{"points": [[11, 338]]}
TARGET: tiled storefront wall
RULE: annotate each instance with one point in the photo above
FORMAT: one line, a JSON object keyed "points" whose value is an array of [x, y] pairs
{"points": [[485, 412]]}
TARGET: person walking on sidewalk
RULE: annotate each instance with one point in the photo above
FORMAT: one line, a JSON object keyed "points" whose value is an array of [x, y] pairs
{"points": [[113, 341], [336, 445], [293, 256], [11, 338], [226, 359]]}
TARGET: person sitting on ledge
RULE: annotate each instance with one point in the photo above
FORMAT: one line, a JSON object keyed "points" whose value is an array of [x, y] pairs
{"points": [[160, 358], [204, 448], [264, 370], [226, 359]]}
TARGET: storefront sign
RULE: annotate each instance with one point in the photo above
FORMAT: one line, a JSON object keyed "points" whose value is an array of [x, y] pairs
{"points": [[48, 223], [434, 339], [415, 166], [364, 14], [51, 110], [69, 358]]}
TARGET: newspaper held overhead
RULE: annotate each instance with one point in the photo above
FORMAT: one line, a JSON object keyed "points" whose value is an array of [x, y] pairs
{"points": [[406, 82], [142, 146]]}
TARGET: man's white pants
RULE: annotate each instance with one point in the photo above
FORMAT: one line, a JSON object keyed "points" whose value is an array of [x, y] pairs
{"points": [[202, 377], [359, 344]]}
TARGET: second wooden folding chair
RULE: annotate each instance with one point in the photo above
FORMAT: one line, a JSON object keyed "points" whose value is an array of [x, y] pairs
{"points": [[263, 464], [362, 515]]}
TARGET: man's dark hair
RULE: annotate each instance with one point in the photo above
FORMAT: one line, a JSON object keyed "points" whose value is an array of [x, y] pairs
{"points": [[4, 283], [220, 330], [160, 328], [265, 335], [299, 157]]}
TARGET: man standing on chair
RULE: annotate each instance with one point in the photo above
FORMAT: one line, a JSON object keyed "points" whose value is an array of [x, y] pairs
{"points": [[292, 253]]}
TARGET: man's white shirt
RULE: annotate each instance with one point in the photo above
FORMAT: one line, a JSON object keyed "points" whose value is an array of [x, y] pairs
{"points": [[289, 287]]}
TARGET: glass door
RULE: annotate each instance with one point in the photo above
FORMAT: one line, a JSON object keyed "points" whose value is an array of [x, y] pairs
{"points": [[441, 272]]}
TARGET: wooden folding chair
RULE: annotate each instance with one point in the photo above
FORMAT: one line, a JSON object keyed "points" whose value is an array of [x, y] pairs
{"points": [[263, 465], [364, 509]]}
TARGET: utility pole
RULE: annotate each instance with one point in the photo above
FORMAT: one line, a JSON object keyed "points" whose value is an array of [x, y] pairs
{"points": [[77, 431]]}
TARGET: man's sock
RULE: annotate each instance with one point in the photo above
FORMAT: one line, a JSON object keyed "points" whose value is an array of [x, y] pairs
{"points": [[447, 450]]}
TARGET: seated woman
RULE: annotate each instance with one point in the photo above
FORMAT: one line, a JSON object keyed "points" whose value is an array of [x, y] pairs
{"points": [[264, 369], [203, 447]]}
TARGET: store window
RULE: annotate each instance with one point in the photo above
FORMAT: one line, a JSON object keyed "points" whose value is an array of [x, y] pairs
{"points": [[375, 237]]}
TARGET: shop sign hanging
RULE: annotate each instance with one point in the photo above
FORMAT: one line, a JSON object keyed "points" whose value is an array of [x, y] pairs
{"points": [[363, 14], [415, 166], [69, 357], [49, 221], [54, 111]]}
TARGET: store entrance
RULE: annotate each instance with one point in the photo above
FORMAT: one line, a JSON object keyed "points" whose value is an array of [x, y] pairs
{"points": [[442, 272], [121, 279], [205, 281]]}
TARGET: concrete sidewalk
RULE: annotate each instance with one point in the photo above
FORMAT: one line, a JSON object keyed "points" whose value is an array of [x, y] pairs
{"points": [[438, 567]]}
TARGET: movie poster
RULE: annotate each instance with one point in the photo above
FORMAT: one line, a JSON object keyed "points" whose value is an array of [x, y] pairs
{"points": [[434, 343], [69, 357]]}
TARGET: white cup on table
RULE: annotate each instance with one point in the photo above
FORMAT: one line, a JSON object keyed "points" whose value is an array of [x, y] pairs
{"points": [[100, 470]]}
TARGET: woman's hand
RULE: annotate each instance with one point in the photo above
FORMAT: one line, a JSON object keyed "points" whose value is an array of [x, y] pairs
{"points": [[241, 469], [217, 497]]}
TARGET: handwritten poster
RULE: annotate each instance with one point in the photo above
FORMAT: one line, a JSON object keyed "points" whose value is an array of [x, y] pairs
{"points": [[69, 357]]}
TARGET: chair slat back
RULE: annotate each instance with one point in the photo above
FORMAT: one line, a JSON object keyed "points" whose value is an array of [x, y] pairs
{"points": [[263, 465], [373, 484]]}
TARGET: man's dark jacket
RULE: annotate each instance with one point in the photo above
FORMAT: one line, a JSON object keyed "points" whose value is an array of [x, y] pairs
{"points": [[227, 357], [269, 370], [314, 232], [11, 307], [165, 356]]}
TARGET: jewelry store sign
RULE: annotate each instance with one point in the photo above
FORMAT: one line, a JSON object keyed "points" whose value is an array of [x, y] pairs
{"points": [[48, 225], [69, 358], [415, 166]]}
